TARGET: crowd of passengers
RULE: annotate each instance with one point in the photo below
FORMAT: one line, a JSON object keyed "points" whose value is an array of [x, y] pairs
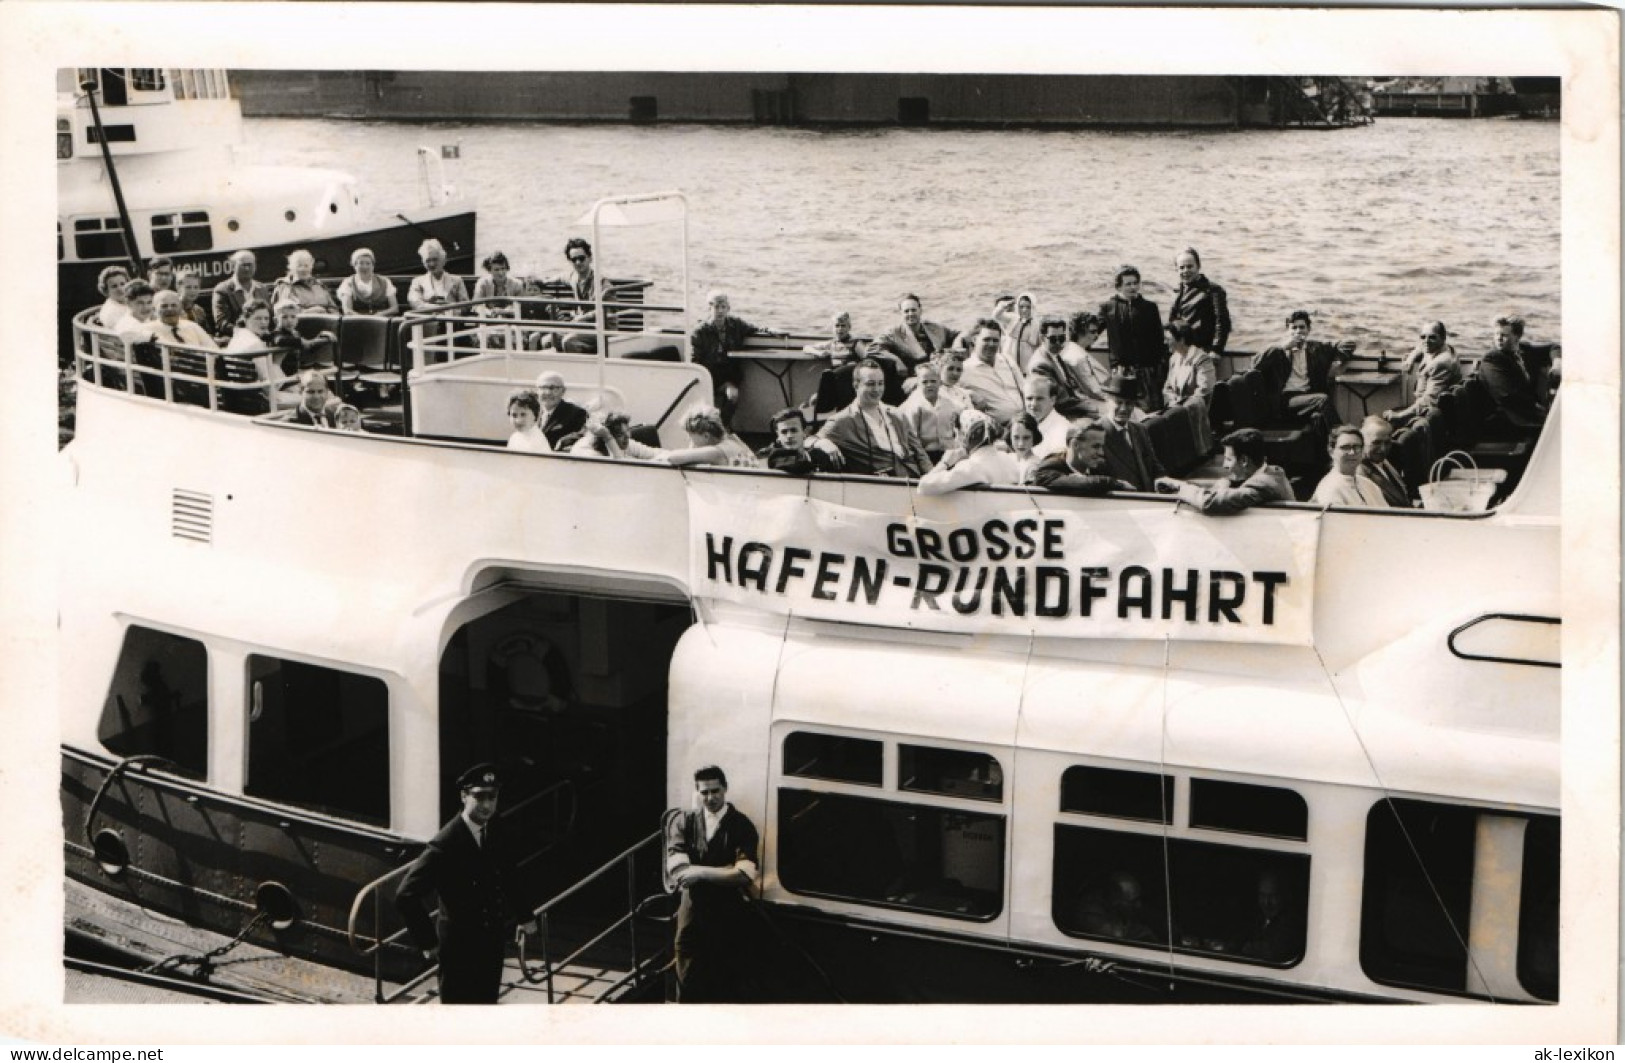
{"points": [[1017, 397]]}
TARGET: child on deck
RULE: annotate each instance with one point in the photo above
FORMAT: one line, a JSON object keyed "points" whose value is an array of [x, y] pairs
{"points": [[1134, 336], [525, 413], [930, 411], [789, 451], [347, 418], [1022, 436], [299, 353]]}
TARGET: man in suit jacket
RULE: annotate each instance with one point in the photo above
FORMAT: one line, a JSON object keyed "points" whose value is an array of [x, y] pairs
{"points": [[1306, 368], [1252, 481], [236, 292], [1080, 469], [1129, 454], [1375, 466], [869, 437], [1506, 377], [916, 339], [711, 855], [466, 866], [1201, 304], [560, 417]]}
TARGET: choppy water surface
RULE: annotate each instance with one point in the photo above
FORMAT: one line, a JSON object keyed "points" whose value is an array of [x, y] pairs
{"points": [[1373, 230]]}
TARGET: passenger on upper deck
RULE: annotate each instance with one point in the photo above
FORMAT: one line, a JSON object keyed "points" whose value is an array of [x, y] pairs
{"points": [[1134, 335], [560, 417], [1090, 372], [584, 286], [1192, 371], [300, 353], [994, 382], [1200, 304], [316, 404], [497, 285], [525, 414], [712, 344], [1379, 435], [916, 339], [237, 291], [1433, 361], [973, 460], [1129, 453], [253, 329], [347, 418], [952, 363], [365, 292], [872, 438], [161, 273], [930, 410], [173, 326], [1311, 369], [434, 287], [1072, 394], [1039, 396], [1021, 437], [1021, 332], [842, 347], [1506, 376], [1345, 484], [302, 288], [111, 282], [710, 442], [187, 285], [1252, 482], [612, 438], [137, 323], [789, 452], [1081, 469]]}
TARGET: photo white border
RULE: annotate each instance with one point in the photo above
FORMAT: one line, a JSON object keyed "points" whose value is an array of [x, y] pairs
{"points": [[1581, 46]]}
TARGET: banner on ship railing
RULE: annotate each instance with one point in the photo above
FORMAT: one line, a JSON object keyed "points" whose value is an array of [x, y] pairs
{"points": [[1144, 573]]}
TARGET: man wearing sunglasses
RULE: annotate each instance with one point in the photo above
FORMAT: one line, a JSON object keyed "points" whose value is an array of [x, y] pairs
{"points": [[1434, 363]]}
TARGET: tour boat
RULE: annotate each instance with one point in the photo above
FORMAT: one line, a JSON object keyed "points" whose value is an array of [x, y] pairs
{"points": [[174, 137], [1001, 745]]}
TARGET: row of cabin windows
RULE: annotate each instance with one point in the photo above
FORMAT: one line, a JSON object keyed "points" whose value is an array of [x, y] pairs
{"points": [[318, 737], [176, 232], [116, 83], [1199, 897]]}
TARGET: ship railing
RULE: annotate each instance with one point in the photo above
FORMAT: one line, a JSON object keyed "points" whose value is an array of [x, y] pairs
{"points": [[562, 801], [640, 865], [461, 330], [180, 373]]}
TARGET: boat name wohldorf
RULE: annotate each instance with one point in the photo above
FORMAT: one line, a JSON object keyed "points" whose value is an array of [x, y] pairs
{"points": [[1112, 573]]}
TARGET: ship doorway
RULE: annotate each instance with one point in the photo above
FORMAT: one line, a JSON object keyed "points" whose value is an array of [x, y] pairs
{"points": [[566, 693]]}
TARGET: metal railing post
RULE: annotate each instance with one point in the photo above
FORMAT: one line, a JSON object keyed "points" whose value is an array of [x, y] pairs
{"points": [[632, 908], [547, 959]]}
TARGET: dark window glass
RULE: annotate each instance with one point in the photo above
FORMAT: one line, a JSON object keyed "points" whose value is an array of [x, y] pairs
{"points": [[1538, 907], [64, 140], [115, 133], [146, 79], [318, 738], [835, 757], [1415, 912], [954, 772], [187, 231], [1249, 809], [1120, 794], [1228, 901], [98, 238], [158, 702], [892, 855]]}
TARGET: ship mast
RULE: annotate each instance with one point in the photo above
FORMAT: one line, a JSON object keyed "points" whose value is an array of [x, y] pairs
{"points": [[127, 228]]}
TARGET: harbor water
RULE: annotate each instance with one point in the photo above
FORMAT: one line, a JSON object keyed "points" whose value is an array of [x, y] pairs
{"points": [[1374, 230]]}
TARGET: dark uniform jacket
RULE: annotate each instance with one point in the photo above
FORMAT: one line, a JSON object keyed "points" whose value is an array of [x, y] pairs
{"points": [[476, 909], [1134, 332], [1203, 306]]}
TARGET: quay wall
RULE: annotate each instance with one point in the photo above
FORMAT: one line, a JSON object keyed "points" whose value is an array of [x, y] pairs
{"points": [[763, 98]]}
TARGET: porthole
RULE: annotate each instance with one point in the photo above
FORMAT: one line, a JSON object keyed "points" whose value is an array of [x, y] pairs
{"points": [[111, 852], [288, 215], [232, 224], [332, 208], [275, 901]]}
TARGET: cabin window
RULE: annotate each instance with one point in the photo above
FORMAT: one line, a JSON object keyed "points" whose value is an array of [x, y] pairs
{"points": [[318, 738], [64, 139], [951, 772], [834, 757], [98, 238], [1249, 809], [892, 854], [1538, 908], [158, 702], [1415, 913], [1120, 794], [1228, 901], [181, 231], [146, 79]]}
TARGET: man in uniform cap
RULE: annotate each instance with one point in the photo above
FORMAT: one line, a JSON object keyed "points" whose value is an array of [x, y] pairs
{"points": [[466, 865]]}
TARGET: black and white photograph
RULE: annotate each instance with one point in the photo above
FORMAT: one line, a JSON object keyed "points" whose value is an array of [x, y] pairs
{"points": [[1061, 511]]}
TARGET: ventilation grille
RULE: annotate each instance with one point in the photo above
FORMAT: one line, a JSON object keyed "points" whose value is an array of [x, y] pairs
{"points": [[191, 515]]}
